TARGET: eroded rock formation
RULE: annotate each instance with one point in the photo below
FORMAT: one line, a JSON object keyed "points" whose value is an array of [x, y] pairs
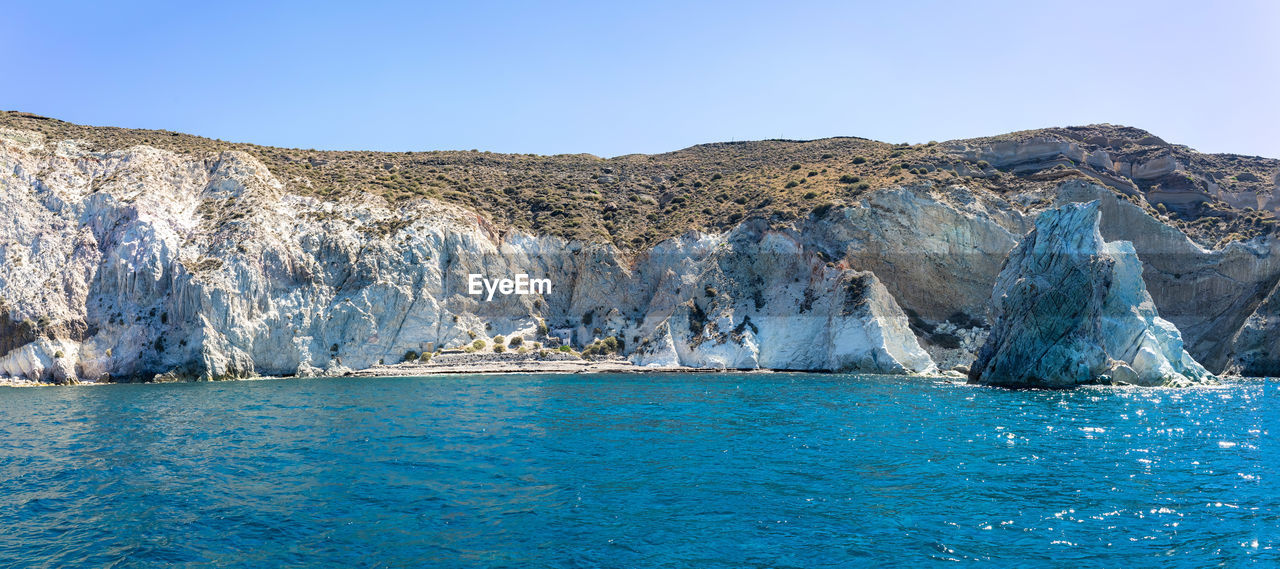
{"points": [[1070, 309]]}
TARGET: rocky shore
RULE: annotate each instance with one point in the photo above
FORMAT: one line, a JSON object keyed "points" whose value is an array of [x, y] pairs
{"points": [[511, 363]]}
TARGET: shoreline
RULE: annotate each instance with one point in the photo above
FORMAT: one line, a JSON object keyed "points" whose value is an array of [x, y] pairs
{"points": [[524, 366]]}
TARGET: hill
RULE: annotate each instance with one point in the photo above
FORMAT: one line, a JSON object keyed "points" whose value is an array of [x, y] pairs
{"points": [[637, 200]]}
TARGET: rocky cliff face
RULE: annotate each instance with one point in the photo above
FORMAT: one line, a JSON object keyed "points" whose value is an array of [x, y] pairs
{"points": [[1256, 345], [142, 262], [139, 262], [760, 298], [1071, 309]]}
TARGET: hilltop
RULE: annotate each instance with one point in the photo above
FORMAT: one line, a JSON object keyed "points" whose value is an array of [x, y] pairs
{"points": [[635, 201]]}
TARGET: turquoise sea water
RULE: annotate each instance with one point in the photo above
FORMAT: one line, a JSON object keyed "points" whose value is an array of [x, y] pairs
{"points": [[716, 470]]}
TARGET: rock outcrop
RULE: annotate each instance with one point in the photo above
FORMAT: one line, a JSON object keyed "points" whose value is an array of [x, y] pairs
{"points": [[1255, 345], [760, 299], [1071, 309]]}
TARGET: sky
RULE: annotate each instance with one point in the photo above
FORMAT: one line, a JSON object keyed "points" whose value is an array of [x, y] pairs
{"points": [[611, 78]]}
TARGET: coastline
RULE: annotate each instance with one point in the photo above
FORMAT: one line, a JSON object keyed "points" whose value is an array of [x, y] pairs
{"points": [[538, 368], [525, 366]]}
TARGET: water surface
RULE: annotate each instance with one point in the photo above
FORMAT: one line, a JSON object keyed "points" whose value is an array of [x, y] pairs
{"points": [[714, 470]]}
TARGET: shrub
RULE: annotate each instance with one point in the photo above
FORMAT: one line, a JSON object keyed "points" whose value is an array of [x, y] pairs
{"points": [[859, 160], [826, 156], [478, 344], [610, 345], [849, 179], [542, 329], [792, 184], [810, 195], [715, 177], [498, 348], [499, 340], [516, 341], [566, 349], [864, 186], [813, 173], [983, 164], [795, 166], [410, 356]]}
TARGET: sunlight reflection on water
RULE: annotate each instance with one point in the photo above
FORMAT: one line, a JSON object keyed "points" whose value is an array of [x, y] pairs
{"points": [[715, 470]]}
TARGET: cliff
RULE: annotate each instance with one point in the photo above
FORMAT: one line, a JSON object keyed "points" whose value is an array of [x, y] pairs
{"points": [[212, 260]]}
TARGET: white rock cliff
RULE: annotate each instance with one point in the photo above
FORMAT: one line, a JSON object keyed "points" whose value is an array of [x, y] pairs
{"points": [[138, 263]]}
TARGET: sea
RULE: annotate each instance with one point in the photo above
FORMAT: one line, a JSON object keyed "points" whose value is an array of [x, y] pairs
{"points": [[638, 470]]}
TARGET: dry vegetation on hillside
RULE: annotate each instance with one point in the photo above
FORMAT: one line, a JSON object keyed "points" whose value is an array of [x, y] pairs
{"points": [[636, 200]]}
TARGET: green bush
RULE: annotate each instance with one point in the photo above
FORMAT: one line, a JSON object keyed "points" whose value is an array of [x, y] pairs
{"points": [[859, 160], [478, 344], [849, 179], [566, 349], [498, 340], [791, 184], [498, 348], [410, 356], [810, 195], [610, 345], [516, 341]]}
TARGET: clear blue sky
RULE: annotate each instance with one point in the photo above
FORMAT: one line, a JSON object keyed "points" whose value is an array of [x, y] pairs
{"points": [[614, 78]]}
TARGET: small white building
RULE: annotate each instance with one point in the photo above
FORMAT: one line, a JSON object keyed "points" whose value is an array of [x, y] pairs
{"points": [[565, 335]]}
